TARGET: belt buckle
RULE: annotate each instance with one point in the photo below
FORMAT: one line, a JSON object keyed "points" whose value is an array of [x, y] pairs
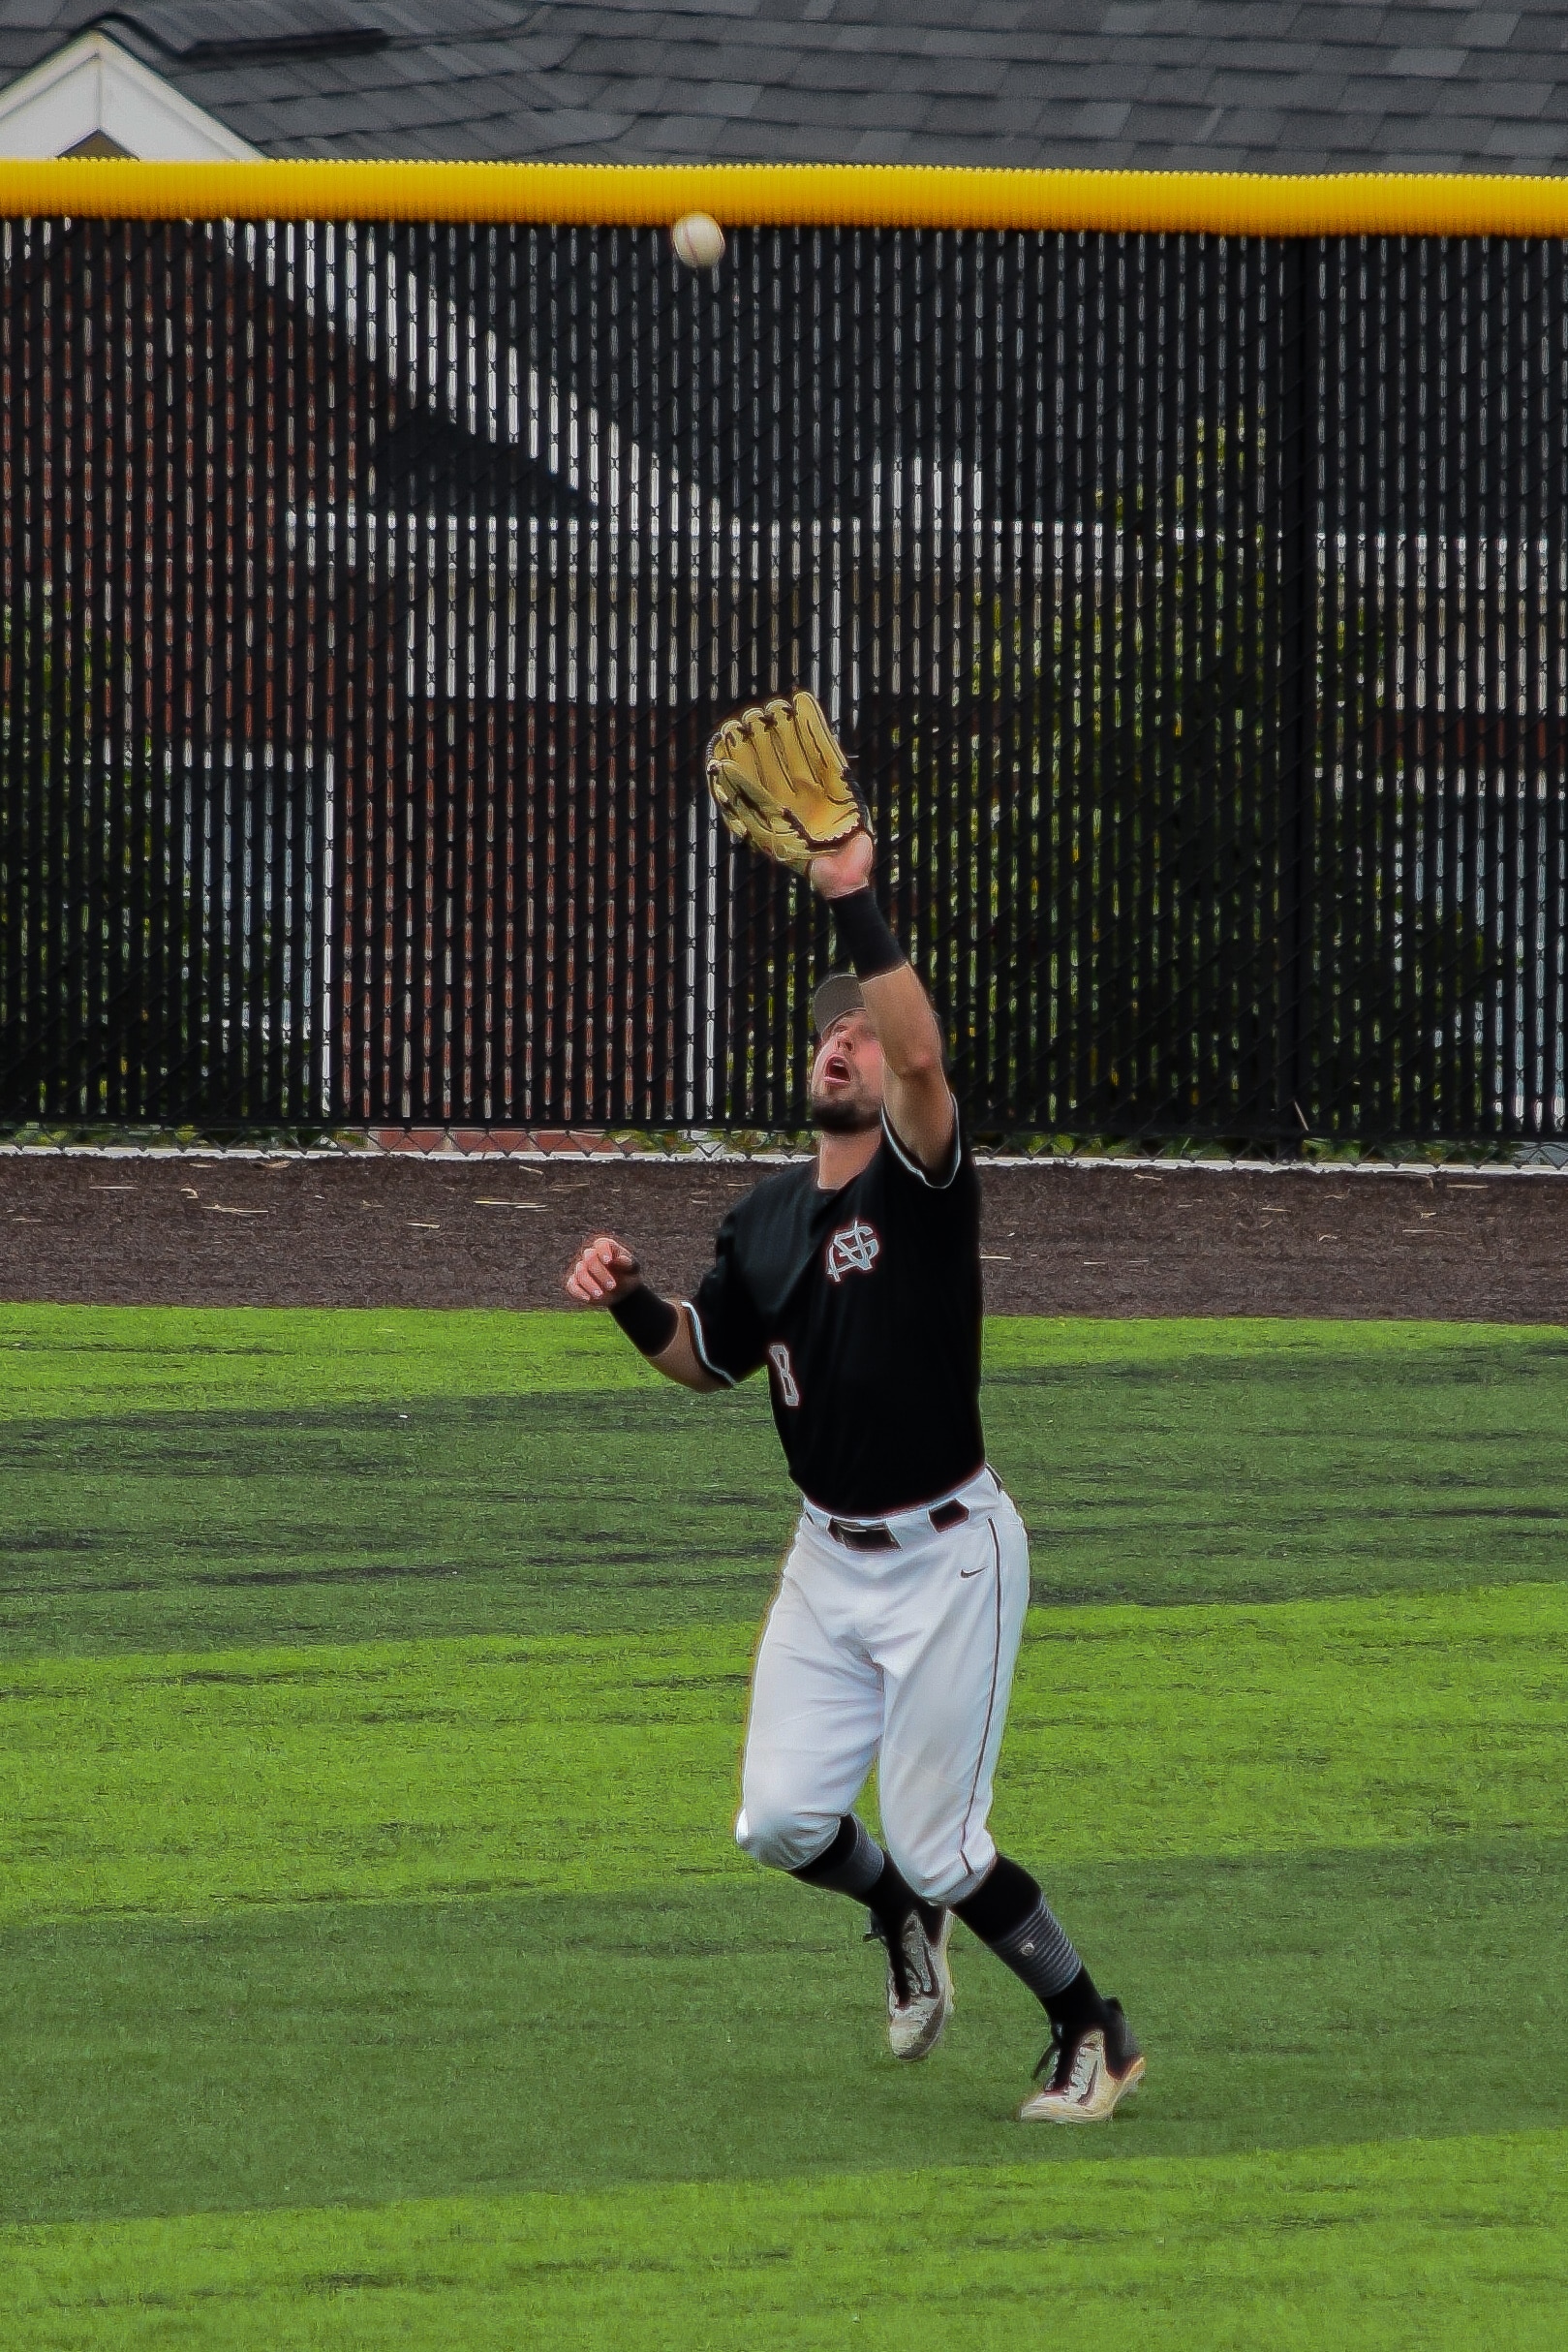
{"points": [[863, 1536]]}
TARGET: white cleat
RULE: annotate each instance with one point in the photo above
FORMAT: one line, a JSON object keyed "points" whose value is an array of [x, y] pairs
{"points": [[919, 1982], [1082, 2075]]}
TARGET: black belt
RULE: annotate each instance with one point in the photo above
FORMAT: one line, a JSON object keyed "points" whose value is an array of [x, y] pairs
{"points": [[875, 1535]]}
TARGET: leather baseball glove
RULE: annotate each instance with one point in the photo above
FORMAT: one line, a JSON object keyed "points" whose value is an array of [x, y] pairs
{"points": [[782, 783]]}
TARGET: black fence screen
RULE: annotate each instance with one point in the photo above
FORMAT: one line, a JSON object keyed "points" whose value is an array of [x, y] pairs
{"points": [[1195, 609]]}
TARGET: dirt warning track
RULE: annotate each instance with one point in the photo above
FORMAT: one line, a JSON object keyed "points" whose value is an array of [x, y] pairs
{"points": [[1060, 1238]]}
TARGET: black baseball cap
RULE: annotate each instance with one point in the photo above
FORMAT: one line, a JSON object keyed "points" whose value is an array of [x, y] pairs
{"points": [[840, 993]]}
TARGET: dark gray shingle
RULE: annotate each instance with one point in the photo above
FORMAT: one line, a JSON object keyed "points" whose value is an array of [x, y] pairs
{"points": [[1230, 84]]}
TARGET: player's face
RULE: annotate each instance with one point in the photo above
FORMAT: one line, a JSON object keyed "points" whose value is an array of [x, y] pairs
{"points": [[847, 1076]]}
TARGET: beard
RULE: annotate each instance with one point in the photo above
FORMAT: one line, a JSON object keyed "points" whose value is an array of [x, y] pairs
{"points": [[845, 1118]]}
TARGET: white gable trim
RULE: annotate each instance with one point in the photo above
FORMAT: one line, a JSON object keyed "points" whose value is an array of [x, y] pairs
{"points": [[95, 85]]}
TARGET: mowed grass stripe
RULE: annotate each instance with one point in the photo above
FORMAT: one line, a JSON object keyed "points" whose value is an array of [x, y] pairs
{"points": [[313, 2053], [76, 1361], [231, 1478], [442, 1767], [1416, 2246]]}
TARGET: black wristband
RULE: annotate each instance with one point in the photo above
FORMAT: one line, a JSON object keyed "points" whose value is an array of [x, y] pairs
{"points": [[649, 1321], [864, 935]]}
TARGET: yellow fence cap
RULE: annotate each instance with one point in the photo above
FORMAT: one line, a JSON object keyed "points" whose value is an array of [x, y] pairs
{"points": [[849, 196]]}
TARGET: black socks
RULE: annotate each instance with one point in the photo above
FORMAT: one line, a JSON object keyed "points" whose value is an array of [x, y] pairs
{"points": [[1008, 1912], [850, 1865], [854, 1864]]}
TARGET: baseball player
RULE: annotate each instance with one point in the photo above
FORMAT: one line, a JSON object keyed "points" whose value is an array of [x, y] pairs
{"points": [[854, 1281]]}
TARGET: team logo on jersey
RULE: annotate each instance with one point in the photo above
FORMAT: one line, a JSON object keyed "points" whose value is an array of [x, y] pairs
{"points": [[851, 1251], [788, 1385]]}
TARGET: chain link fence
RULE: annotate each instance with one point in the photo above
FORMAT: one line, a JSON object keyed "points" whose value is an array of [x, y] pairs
{"points": [[1194, 608]]}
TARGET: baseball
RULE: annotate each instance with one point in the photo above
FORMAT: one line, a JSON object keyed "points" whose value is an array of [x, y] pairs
{"points": [[699, 240]]}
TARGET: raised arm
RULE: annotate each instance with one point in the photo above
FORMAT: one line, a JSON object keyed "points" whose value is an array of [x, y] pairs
{"points": [[605, 1273], [918, 1098]]}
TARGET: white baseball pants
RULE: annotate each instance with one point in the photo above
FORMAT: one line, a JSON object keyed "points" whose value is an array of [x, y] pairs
{"points": [[900, 1658]]}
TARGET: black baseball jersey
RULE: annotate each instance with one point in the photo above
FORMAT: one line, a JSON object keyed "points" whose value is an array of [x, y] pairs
{"points": [[864, 1303]]}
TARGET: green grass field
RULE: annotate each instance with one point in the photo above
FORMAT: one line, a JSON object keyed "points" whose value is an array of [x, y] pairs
{"points": [[379, 1969]]}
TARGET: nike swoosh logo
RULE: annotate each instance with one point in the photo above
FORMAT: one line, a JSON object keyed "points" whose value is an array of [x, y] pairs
{"points": [[979, 1572]]}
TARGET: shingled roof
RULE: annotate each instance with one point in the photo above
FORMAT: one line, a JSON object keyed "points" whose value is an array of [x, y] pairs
{"points": [[1215, 85]]}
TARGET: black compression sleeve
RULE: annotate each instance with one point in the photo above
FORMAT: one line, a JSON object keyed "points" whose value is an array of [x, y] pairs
{"points": [[649, 1321], [865, 936]]}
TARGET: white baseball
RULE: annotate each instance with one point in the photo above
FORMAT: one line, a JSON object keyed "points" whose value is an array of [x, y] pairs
{"points": [[699, 240]]}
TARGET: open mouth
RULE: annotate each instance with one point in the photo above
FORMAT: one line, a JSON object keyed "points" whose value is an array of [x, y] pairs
{"points": [[834, 1072]]}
